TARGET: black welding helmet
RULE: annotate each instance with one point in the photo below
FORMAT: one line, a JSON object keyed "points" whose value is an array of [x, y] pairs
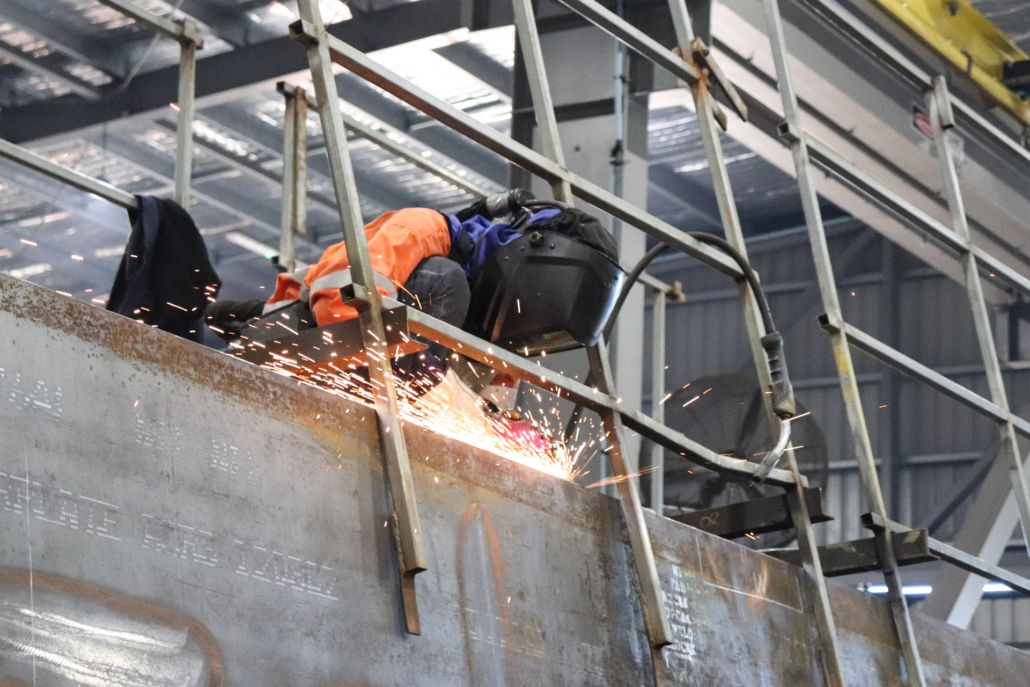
{"points": [[551, 289]]}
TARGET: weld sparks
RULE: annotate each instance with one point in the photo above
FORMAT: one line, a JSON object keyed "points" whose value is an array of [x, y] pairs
{"points": [[450, 410]]}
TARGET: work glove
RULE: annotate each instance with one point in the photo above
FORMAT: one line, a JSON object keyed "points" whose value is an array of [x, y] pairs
{"points": [[496, 205]]}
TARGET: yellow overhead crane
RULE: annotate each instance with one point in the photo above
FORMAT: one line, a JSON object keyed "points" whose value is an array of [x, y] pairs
{"points": [[957, 30]]}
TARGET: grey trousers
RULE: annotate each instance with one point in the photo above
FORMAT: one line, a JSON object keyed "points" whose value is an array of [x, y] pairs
{"points": [[439, 288]]}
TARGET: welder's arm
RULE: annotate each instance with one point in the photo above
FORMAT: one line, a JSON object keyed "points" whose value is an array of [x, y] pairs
{"points": [[407, 239]]}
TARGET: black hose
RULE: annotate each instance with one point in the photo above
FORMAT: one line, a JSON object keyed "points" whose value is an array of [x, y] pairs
{"points": [[783, 402], [745, 267], [783, 394], [627, 285], [703, 237]]}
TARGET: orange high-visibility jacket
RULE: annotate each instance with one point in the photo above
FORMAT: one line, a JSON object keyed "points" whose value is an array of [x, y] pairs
{"points": [[397, 241]]}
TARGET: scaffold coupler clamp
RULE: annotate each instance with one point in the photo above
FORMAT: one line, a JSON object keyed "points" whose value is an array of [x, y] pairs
{"points": [[705, 62]]}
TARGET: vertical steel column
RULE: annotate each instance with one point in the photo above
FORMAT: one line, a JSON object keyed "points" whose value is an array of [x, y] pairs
{"points": [[795, 135], [187, 109], [833, 668], [656, 621], [295, 173], [410, 547], [540, 91], [657, 476], [939, 103]]}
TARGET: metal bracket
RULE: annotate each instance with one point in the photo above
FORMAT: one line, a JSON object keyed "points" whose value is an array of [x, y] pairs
{"points": [[859, 555], [879, 524], [409, 598], [676, 293], [705, 62], [757, 516], [717, 112]]}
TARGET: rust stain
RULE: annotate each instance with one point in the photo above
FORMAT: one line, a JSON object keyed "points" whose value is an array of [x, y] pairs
{"points": [[497, 566], [246, 383], [16, 577]]}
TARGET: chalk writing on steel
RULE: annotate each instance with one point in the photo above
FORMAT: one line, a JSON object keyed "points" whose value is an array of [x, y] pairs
{"points": [[28, 395], [187, 542], [684, 649], [59, 506]]}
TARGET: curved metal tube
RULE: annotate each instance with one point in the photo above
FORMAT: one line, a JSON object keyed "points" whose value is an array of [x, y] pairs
{"points": [[773, 457]]}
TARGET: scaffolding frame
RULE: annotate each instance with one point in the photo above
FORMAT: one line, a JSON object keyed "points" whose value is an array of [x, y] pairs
{"points": [[323, 49], [550, 166], [185, 33], [843, 335]]}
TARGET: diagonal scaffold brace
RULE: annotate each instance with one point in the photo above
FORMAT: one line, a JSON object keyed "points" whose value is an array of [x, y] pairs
{"points": [[411, 551], [656, 620], [793, 132], [708, 116]]}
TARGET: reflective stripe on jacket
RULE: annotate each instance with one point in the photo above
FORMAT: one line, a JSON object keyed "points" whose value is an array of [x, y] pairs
{"points": [[397, 241]]}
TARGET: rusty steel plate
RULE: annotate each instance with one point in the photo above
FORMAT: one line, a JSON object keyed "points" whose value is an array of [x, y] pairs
{"points": [[172, 516]]}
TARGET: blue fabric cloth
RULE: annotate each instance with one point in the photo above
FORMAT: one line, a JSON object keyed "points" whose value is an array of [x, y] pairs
{"points": [[488, 236]]}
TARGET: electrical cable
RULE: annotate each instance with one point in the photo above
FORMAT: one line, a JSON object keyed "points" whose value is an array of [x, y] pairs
{"points": [[627, 285], [782, 390], [703, 237]]}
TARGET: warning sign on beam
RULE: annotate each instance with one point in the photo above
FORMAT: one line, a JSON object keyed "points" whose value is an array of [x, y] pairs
{"points": [[921, 121]]}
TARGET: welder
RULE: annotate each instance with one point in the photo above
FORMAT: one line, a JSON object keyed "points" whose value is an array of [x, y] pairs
{"points": [[534, 276]]}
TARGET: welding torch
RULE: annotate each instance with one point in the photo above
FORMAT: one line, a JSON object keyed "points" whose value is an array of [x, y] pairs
{"points": [[780, 388]]}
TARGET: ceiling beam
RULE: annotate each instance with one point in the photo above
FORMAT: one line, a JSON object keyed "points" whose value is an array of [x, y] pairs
{"points": [[227, 76], [688, 192], [49, 67], [360, 94], [480, 65], [231, 25], [72, 44], [216, 194], [369, 188], [271, 140]]}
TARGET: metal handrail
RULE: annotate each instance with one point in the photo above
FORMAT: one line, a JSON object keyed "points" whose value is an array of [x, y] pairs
{"points": [[100, 189]]}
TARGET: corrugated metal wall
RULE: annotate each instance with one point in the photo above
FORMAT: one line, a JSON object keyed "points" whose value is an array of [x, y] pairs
{"points": [[937, 439], [1006, 620]]}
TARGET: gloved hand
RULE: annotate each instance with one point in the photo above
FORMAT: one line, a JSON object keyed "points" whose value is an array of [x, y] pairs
{"points": [[496, 205]]}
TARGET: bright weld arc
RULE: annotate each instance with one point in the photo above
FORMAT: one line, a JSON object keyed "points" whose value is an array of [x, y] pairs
{"points": [[457, 417]]}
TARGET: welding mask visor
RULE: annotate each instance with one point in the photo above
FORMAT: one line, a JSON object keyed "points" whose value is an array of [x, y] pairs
{"points": [[548, 290]]}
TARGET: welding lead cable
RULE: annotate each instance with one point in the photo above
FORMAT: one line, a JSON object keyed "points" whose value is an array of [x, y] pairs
{"points": [[783, 393], [631, 279], [773, 457], [712, 240]]}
